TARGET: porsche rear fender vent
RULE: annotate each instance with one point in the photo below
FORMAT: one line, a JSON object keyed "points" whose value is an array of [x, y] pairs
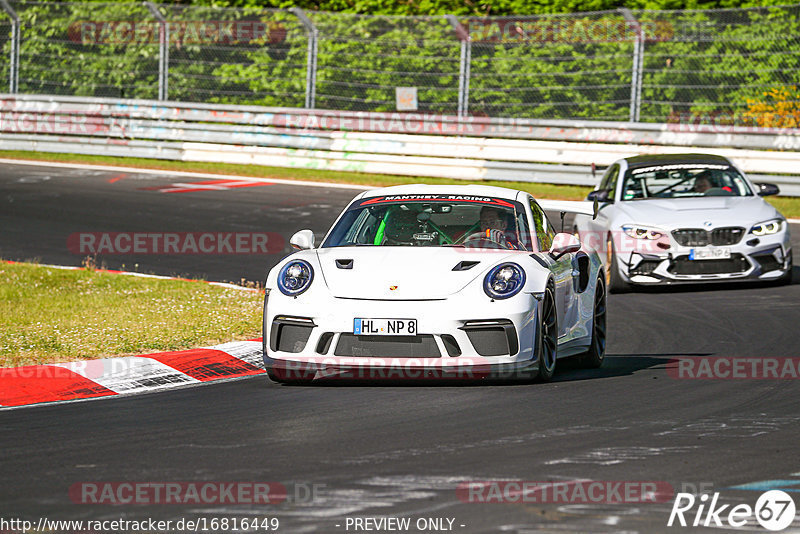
{"points": [[344, 264], [581, 262]]}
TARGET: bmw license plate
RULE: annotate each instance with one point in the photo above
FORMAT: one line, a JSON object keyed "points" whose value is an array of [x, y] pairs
{"points": [[385, 327], [710, 253]]}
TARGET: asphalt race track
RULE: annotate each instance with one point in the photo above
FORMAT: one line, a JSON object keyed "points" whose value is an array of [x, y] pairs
{"points": [[377, 451]]}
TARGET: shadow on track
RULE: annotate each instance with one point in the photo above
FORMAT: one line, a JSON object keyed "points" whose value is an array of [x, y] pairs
{"points": [[568, 370]]}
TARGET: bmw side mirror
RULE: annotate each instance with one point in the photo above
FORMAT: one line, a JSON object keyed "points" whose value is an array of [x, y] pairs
{"points": [[302, 240], [564, 243], [765, 190], [600, 195]]}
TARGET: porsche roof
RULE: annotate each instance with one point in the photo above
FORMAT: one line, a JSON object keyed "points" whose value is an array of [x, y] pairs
{"points": [[425, 189], [648, 160]]}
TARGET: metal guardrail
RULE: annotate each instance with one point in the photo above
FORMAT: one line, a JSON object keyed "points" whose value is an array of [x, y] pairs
{"points": [[561, 152]]}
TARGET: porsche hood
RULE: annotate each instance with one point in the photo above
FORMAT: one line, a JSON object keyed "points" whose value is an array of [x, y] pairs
{"points": [[403, 273]]}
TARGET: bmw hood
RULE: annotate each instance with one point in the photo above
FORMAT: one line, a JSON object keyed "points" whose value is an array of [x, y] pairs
{"points": [[403, 273], [695, 212]]}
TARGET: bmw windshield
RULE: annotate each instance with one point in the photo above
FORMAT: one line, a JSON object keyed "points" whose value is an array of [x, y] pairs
{"points": [[433, 221], [684, 181]]}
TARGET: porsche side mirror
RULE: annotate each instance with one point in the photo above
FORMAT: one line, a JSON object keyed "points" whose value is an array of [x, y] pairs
{"points": [[564, 243], [302, 240], [765, 190]]}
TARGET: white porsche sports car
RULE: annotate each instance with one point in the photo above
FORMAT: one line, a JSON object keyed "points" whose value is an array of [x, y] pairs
{"points": [[684, 218], [444, 282]]}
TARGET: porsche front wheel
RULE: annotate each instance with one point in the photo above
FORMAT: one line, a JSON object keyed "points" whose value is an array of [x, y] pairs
{"points": [[593, 358], [548, 337]]}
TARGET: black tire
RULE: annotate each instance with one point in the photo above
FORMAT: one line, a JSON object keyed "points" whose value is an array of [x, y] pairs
{"points": [[548, 337], [593, 358], [786, 278], [614, 281], [264, 327]]}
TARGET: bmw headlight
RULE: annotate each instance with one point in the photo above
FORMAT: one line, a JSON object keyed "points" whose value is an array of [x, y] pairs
{"points": [[504, 281], [641, 232], [767, 227], [295, 277]]}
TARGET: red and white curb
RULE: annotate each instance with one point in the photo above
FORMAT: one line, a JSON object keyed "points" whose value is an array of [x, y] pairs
{"points": [[59, 382], [35, 384]]}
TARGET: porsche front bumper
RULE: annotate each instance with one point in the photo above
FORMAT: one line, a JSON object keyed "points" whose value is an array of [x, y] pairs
{"points": [[456, 337]]}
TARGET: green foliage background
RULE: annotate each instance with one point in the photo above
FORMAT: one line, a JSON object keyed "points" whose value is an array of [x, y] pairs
{"points": [[700, 64]]}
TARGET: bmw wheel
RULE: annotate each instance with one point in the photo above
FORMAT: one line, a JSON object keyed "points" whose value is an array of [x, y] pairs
{"points": [[614, 281], [786, 278]]}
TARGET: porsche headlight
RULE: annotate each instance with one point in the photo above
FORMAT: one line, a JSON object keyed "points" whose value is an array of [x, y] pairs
{"points": [[504, 281], [767, 227], [295, 277], [641, 232]]}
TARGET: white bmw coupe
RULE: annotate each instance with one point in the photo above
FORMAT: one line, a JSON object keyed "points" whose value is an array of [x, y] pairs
{"points": [[684, 218], [419, 281]]}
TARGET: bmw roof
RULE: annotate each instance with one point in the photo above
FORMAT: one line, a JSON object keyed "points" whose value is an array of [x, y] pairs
{"points": [[648, 160]]}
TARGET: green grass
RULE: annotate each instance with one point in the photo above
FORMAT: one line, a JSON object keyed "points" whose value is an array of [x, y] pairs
{"points": [[52, 315], [789, 206]]}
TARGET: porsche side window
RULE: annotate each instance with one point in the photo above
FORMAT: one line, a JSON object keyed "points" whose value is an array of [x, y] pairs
{"points": [[524, 237], [542, 228]]}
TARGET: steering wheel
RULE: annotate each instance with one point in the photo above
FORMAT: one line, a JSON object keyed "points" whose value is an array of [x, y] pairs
{"points": [[480, 240]]}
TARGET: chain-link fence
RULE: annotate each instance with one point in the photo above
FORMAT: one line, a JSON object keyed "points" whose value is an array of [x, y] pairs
{"points": [[724, 65], [734, 65], [5, 59]]}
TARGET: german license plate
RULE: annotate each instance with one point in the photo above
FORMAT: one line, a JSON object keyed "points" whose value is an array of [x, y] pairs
{"points": [[385, 327], [710, 253]]}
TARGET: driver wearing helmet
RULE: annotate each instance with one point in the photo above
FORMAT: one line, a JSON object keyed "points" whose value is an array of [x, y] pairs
{"points": [[494, 225]]}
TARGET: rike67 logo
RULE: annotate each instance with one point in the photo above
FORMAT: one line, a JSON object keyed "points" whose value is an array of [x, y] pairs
{"points": [[774, 510]]}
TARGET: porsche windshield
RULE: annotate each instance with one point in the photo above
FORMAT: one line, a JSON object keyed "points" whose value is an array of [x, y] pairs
{"points": [[433, 221], [684, 180]]}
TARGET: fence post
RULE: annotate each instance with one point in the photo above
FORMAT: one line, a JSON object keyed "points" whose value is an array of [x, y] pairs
{"points": [[638, 60], [13, 77], [311, 61], [465, 59], [163, 51]]}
